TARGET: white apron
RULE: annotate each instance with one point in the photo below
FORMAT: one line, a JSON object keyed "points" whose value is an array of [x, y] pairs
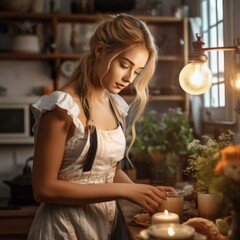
{"points": [[90, 221]]}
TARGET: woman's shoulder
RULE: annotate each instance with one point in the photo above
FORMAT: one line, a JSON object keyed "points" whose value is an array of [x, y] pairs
{"points": [[62, 100], [62, 103]]}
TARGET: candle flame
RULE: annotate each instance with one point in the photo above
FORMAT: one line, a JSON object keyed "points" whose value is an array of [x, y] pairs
{"points": [[166, 212], [171, 231]]}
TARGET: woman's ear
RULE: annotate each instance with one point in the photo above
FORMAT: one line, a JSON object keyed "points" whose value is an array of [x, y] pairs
{"points": [[99, 50]]}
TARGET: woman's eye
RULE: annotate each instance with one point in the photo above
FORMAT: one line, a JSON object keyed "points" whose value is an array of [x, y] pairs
{"points": [[123, 66], [127, 67]]}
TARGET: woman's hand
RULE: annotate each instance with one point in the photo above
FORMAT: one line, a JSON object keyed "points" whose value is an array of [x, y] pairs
{"points": [[146, 196], [166, 189]]}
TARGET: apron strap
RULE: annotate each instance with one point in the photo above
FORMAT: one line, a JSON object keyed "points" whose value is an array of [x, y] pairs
{"points": [[91, 151]]}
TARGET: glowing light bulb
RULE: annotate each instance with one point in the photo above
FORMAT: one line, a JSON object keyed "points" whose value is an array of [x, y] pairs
{"points": [[195, 78], [235, 79]]}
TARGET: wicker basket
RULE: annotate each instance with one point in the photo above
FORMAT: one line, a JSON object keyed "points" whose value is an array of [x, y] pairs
{"points": [[15, 5]]}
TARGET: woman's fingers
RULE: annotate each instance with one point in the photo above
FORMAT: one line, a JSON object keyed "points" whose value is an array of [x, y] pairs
{"points": [[160, 194], [149, 197], [150, 205], [154, 198], [148, 208], [166, 189]]}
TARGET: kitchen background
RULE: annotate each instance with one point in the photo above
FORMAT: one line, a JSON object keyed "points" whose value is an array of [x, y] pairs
{"points": [[27, 78]]}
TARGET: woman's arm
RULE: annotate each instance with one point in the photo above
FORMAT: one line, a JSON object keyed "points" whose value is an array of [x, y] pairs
{"points": [[49, 149], [121, 176]]}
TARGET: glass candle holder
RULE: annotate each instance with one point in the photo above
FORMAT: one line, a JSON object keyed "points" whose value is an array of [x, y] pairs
{"points": [[174, 203], [171, 231], [210, 205]]}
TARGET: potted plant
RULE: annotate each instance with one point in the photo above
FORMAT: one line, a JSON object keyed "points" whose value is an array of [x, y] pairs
{"points": [[161, 139], [176, 134], [202, 159], [146, 140]]}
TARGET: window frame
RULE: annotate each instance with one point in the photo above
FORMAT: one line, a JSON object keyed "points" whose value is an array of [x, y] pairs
{"points": [[225, 113]]}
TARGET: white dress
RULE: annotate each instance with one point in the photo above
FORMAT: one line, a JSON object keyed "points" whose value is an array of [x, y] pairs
{"points": [[90, 221]]}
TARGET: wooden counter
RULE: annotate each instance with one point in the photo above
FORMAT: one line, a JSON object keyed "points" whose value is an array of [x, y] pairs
{"points": [[134, 231], [15, 223], [129, 210]]}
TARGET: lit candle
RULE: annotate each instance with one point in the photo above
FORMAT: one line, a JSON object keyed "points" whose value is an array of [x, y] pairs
{"points": [[165, 217], [171, 231]]}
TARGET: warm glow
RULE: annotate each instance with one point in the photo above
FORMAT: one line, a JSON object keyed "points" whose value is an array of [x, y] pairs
{"points": [[165, 212], [235, 80], [195, 78], [171, 231]]}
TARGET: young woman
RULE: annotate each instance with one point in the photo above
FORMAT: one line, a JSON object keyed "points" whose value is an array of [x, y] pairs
{"points": [[79, 137]]}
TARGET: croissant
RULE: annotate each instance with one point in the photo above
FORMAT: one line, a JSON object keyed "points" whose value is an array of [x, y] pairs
{"points": [[205, 227]]}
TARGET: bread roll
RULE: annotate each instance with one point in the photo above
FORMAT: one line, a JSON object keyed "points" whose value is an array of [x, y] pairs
{"points": [[205, 227]]}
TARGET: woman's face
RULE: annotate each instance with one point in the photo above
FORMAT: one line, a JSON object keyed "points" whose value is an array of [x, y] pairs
{"points": [[124, 68]]}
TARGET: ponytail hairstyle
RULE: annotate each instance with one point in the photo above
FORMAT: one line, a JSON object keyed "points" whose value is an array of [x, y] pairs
{"points": [[118, 34]]}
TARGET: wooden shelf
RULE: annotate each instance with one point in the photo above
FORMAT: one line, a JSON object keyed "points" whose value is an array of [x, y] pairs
{"points": [[159, 98], [55, 57], [62, 17], [25, 16], [38, 56], [20, 141], [167, 98], [49, 56], [170, 58]]}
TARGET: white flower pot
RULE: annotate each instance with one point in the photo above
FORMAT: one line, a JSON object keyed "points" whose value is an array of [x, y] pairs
{"points": [[209, 205], [26, 43]]}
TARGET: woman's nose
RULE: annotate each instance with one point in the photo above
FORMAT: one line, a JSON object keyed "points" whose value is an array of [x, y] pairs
{"points": [[129, 76]]}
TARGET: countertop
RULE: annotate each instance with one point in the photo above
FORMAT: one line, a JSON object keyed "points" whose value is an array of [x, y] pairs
{"points": [[129, 210], [15, 223], [18, 212]]}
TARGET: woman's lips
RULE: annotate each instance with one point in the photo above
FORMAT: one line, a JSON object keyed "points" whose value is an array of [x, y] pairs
{"points": [[120, 86]]}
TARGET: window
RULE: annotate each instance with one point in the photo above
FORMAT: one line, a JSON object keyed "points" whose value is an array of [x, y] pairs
{"points": [[212, 30], [217, 21]]}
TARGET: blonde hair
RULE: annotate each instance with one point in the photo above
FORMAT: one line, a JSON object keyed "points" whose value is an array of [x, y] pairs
{"points": [[117, 34]]}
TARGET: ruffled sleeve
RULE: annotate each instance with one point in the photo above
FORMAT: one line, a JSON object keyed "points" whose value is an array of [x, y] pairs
{"points": [[60, 99]]}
